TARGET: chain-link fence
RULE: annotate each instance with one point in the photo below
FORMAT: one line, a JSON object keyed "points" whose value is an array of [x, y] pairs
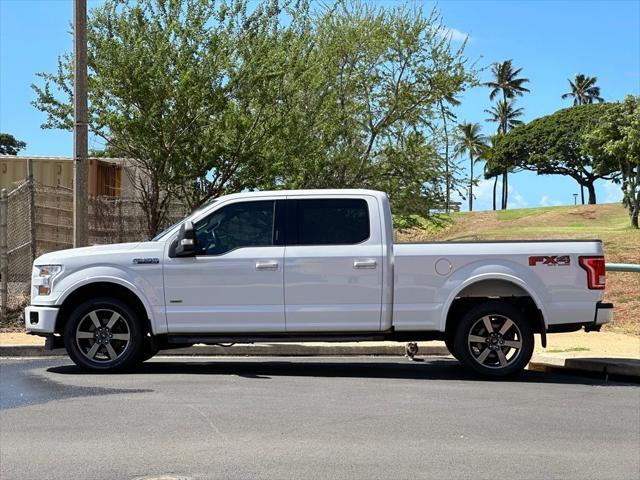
{"points": [[19, 244], [39, 219]]}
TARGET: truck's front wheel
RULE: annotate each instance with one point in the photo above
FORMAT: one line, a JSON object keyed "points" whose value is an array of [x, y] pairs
{"points": [[103, 334], [494, 339], [449, 341]]}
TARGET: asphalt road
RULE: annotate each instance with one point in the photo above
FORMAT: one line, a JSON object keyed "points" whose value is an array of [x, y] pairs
{"points": [[369, 418]]}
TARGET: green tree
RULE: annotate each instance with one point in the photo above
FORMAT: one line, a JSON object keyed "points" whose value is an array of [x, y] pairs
{"points": [[447, 116], [491, 168], [505, 81], [506, 116], [373, 78], [615, 142], [9, 145], [470, 141], [208, 98], [583, 90], [188, 91], [445, 104], [553, 145]]}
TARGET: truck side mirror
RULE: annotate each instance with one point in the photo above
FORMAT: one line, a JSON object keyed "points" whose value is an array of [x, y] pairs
{"points": [[186, 246]]}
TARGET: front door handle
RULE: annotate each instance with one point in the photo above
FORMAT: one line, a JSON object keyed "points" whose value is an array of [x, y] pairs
{"points": [[268, 265], [365, 264]]}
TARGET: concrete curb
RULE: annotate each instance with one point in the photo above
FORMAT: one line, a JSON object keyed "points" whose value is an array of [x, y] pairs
{"points": [[258, 350], [626, 367]]}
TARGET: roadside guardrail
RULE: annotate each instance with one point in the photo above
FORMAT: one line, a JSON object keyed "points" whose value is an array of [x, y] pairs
{"points": [[622, 267]]}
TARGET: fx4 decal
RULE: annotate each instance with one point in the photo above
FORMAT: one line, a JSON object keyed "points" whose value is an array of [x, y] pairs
{"points": [[550, 260]]}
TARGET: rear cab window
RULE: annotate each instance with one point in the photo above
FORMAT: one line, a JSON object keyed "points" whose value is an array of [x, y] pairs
{"points": [[340, 221]]}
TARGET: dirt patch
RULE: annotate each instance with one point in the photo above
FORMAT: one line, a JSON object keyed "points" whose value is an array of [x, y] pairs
{"points": [[623, 290], [588, 214]]}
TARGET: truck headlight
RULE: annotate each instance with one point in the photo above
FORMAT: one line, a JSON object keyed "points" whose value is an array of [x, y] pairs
{"points": [[43, 280]]}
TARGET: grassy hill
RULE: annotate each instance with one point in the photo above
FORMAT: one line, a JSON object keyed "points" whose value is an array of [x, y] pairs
{"points": [[608, 222]]}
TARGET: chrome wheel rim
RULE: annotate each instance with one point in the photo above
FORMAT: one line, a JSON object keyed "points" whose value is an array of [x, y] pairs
{"points": [[494, 341], [103, 335]]}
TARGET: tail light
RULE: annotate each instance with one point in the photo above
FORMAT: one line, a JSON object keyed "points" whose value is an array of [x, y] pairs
{"points": [[595, 271]]}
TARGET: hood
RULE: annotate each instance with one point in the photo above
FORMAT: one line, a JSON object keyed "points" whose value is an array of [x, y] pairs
{"points": [[115, 253]]}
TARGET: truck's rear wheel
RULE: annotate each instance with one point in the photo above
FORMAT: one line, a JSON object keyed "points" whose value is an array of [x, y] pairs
{"points": [[103, 334], [494, 339]]}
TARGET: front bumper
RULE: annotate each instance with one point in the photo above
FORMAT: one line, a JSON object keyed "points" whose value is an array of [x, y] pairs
{"points": [[40, 320]]}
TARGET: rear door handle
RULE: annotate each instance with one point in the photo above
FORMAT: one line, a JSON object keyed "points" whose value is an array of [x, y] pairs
{"points": [[365, 264], [268, 265]]}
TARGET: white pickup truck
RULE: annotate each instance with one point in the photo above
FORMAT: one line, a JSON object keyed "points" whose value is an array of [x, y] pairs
{"points": [[312, 265]]}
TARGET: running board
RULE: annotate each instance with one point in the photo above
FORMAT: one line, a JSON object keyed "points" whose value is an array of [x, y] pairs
{"points": [[186, 339], [215, 339]]}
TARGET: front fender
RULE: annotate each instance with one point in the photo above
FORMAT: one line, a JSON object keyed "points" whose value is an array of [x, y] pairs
{"points": [[145, 284]]}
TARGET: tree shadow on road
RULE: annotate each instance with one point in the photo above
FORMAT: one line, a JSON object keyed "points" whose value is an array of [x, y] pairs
{"points": [[398, 368]]}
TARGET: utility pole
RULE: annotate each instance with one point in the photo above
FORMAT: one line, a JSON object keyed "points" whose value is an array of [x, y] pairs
{"points": [[80, 127]]}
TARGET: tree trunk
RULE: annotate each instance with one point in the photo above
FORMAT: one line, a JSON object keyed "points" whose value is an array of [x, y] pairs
{"points": [[446, 175], [634, 197], [582, 193], [592, 193], [471, 186], [505, 190], [495, 186], [446, 156]]}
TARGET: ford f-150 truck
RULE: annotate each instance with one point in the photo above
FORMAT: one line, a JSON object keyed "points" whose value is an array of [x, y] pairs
{"points": [[312, 265]]}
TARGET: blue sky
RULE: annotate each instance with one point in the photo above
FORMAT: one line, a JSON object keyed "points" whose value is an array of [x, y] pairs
{"points": [[551, 40]]}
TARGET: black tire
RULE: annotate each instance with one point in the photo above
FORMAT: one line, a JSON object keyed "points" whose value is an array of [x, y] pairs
{"points": [[450, 343], [113, 346], [148, 350], [505, 350]]}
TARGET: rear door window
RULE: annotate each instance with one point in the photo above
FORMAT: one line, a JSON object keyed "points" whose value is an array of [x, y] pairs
{"points": [[343, 221]]}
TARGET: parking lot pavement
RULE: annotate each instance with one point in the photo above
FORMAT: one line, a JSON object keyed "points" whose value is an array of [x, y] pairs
{"points": [[311, 418]]}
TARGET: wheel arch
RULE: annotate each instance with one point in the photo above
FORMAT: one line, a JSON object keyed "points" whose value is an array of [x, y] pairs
{"points": [[103, 288], [495, 286]]}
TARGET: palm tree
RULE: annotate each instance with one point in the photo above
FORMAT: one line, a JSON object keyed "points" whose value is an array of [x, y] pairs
{"points": [[446, 102], [489, 166], [506, 116], [446, 114], [469, 140], [583, 90], [505, 80]]}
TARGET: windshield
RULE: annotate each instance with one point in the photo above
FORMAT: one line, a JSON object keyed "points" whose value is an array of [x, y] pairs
{"points": [[195, 213]]}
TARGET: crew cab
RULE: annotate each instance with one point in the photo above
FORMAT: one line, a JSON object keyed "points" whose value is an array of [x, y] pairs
{"points": [[312, 265]]}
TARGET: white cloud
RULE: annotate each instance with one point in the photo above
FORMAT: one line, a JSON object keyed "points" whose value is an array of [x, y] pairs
{"points": [[483, 196], [516, 200], [612, 192], [545, 201], [456, 35]]}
